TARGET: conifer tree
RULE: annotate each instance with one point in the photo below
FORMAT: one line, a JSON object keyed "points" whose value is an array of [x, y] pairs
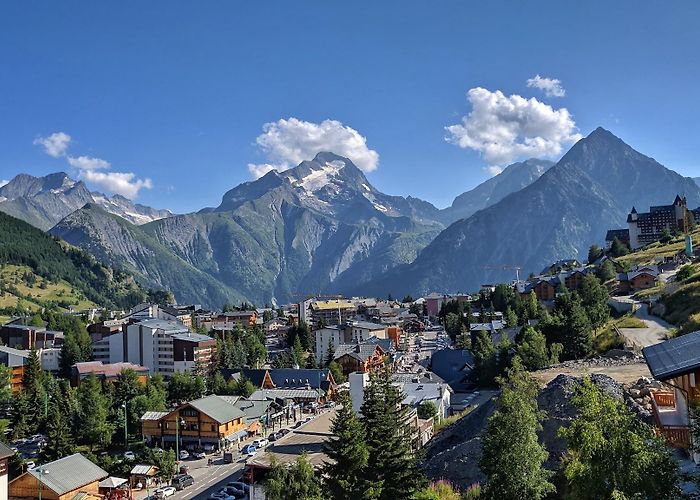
{"points": [[20, 416], [345, 473], [59, 441], [392, 465], [512, 457], [91, 416]]}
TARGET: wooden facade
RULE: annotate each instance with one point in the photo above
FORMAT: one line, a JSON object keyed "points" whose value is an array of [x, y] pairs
{"points": [[27, 486], [671, 415], [195, 428]]}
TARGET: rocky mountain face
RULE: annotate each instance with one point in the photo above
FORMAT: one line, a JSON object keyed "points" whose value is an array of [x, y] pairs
{"points": [[43, 201], [316, 227], [591, 189], [513, 178], [126, 246]]}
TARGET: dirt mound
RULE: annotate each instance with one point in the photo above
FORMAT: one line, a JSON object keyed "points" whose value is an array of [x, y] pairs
{"points": [[454, 454]]}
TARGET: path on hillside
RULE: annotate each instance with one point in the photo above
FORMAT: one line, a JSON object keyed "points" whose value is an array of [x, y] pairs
{"points": [[625, 372], [655, 332]]}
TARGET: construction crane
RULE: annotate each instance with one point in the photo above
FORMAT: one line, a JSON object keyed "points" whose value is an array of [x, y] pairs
{"points": [[506, 267]]}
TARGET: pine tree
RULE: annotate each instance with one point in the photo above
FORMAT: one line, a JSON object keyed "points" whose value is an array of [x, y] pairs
{"points": [[33, 383], [91, 416], [20, 416], [512, 457], [330, 353], [594, 298], [59, 441], [532, 349], [298, 352], [392, 466], [345, 473], [485, 359]]}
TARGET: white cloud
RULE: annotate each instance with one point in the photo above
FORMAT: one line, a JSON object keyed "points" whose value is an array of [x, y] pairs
{"points": [[287, 143], [504, 128], [88, 163], [91, 169], [550, 86], [123, 183], [494, 170], [3, 182], [54, 145]]}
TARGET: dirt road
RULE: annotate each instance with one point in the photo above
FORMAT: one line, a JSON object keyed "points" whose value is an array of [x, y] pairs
{"points": [[655, 332]]}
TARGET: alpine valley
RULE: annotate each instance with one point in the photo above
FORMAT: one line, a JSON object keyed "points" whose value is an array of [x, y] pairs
{"points": [[322, 227]]}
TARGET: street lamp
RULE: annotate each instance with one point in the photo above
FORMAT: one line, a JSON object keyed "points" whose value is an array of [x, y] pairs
{"points": [[126, 431], [41, 472], [177, 437]]}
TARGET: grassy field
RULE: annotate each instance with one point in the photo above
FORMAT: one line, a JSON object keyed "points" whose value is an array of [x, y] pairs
{"points": [[35, 292], [651, 253], [607, 338]]}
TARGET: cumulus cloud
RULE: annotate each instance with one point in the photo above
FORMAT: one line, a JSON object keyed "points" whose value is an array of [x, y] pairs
{"points": [[502, 128], [93, 170], [123, 183], [54, 145], [550, 86], [88, 163], [286, 143]]}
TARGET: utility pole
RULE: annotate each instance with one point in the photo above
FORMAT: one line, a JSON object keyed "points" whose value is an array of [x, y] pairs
{"points": [[41, 479]]}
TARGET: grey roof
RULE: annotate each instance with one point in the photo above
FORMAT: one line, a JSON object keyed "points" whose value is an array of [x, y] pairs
{"points": [[162, 324], [68, 473], [142, 469], [674, 357], [360, 351], [217, 408], [263, 394], [192, 337], [15, 352], [5, 451], [153, 415], [367, 325], [253, 410]]}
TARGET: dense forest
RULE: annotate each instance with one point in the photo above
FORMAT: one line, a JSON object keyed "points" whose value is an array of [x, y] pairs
{"points": [[53, 259]]}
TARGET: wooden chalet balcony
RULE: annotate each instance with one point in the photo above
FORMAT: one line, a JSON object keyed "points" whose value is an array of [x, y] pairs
{"points": [[671, 416]]}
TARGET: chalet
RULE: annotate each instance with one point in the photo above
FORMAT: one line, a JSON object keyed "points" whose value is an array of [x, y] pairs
{"points": [[676, 364], [640, 278], [360, 357], [70, 477], [232, 320], [275, 325], [561, 265], [211, 420], [105, 372], [622, 235]]}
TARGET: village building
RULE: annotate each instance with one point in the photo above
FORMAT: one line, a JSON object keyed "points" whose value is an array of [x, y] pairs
{"points": [[648, 227], [331, 312], [5, 455], [211, 422], [622, 235], [233, 320], [29, 337], [70, 477], [365, 357], [640, 278], [105, 372], [454, 366], [676, 364]]}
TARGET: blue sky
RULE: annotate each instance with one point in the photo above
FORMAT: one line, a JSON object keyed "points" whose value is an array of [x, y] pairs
{"points": [[178, 92]]}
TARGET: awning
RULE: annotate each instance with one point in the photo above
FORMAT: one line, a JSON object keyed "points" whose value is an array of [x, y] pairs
{"points": [[237, 435], [112, 482]]}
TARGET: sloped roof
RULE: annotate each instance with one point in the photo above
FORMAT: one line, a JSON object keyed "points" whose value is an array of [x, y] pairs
{"points": [[5, 451], [217, 408], [68, 474], [674, 357], [361, 351], [154, 415]]}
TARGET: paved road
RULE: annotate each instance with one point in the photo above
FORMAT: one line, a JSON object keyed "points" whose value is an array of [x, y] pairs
{"points": [[655, 332]]}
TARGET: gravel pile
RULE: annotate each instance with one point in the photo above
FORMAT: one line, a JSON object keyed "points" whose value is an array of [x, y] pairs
{"points": [[638, 398]]}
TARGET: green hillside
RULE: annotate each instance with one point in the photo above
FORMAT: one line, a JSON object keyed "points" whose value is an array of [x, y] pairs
{"points": [[39, 270]]}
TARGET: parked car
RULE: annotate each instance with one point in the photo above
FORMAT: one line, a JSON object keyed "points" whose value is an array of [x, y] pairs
{"points": [[184, 455], [261, 443], [182, 481], [129, 455], [200, 454], [273, 437], [164, 492], [30, 464], [283, 432], [249, 449], [239, 485]]}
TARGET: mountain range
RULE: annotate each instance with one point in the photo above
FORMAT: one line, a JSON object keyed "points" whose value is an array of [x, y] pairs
{"points": [[43, 201], [591, 189], [322, 227]]}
